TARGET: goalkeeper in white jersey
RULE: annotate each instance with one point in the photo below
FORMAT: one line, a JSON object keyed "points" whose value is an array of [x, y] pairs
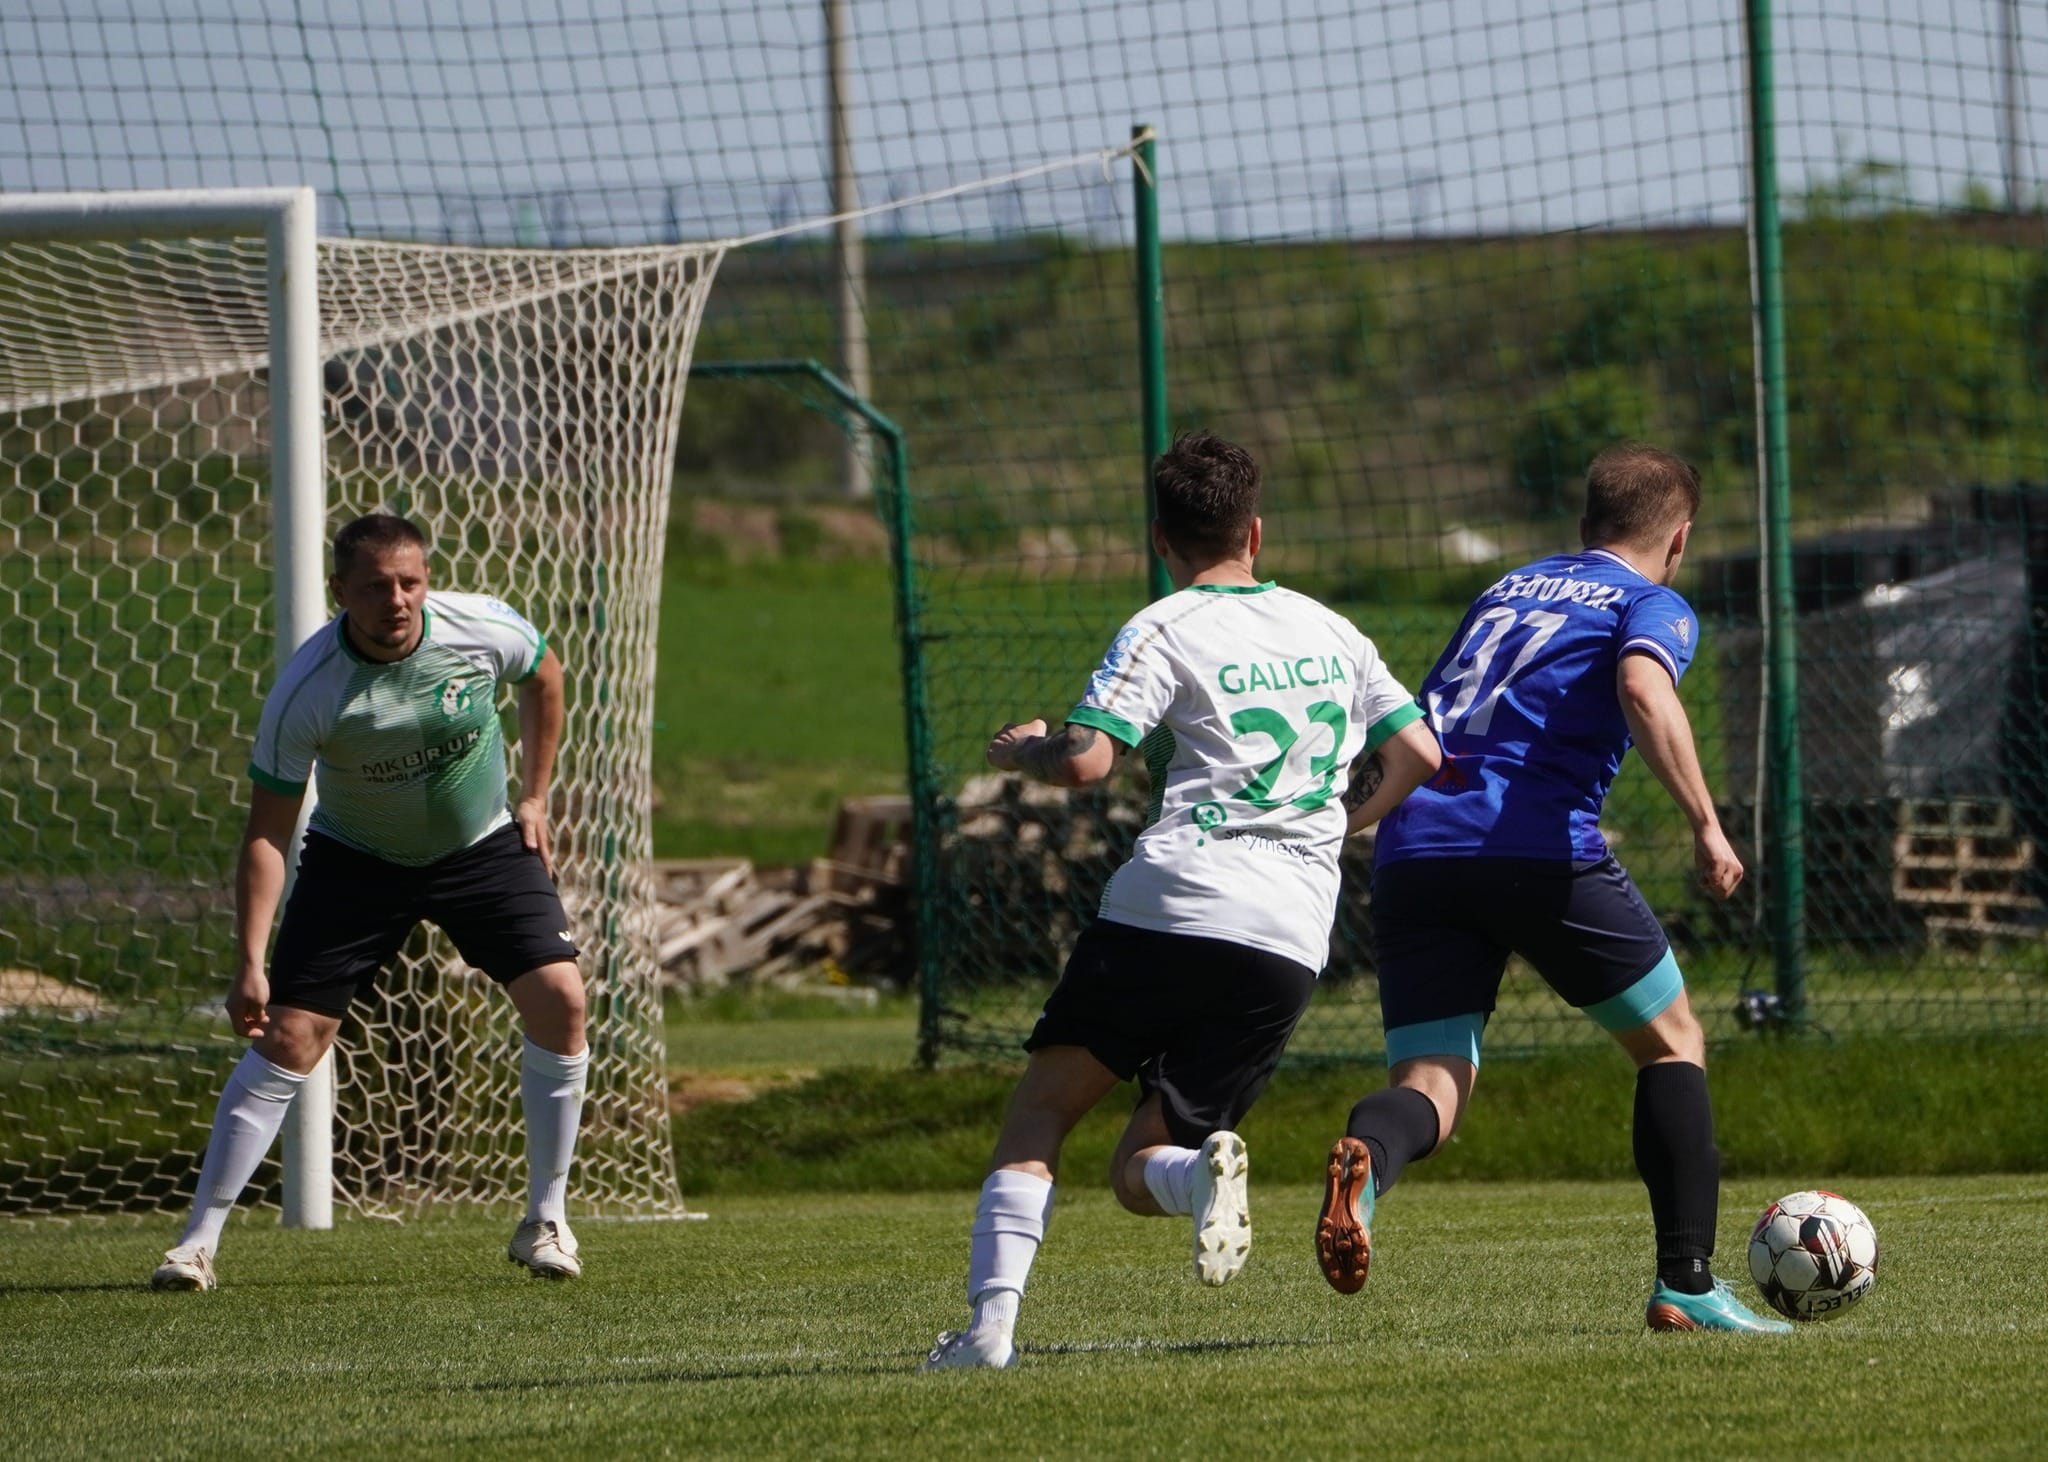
{"points": [[1271, 728], [391, 709]]}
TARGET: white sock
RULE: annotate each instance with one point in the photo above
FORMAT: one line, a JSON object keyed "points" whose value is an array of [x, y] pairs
{"points": [[1009, 1224], [995, 1313], [252, 1108], [1170, 1175], [551, 1095]]}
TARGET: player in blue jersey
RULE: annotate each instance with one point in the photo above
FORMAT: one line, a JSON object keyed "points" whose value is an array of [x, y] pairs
{"points": [[1555, 672]]}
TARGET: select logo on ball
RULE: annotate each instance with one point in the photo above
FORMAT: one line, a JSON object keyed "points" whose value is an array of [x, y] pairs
{"points": [[1813, 1255]]}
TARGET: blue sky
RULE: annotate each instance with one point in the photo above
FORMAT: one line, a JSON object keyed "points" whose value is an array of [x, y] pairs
{"points": [[615, 120]]}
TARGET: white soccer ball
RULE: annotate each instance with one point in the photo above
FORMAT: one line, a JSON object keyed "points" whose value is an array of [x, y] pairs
{"points": [[1813, 1255]]}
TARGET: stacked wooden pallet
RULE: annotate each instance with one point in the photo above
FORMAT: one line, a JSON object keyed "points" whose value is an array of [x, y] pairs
{"points": [[721, 919], [1968, 866]]}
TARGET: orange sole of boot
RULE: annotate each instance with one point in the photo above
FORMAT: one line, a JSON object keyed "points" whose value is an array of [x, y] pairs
{"points": [[1343, 1247], [1669, 1317]]}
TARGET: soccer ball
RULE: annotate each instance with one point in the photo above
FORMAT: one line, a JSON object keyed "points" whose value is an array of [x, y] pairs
{"points": [[1813, 1255]]}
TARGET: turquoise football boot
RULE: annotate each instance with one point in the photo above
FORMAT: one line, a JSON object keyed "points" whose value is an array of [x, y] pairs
{"points": [[1717, 1309], [1344, 1228]]}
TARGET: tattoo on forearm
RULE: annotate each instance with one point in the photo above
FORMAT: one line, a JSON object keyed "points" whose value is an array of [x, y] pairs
{"points": [[1043, 758], [1365, 780]]}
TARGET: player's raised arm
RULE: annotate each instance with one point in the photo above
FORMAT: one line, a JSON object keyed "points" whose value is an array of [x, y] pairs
{"points": [[1662, 735], [1074, 756], [259, 885], [540, 733], [1380, 781]]}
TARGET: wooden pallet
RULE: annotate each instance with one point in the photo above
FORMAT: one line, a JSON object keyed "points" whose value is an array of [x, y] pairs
{"points": [[721, 919], [870, 847], [1973, 931], [1966, 867]]}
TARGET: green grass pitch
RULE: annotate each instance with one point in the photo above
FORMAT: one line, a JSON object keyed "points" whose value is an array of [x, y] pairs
{"points": [[1501, 1320]]}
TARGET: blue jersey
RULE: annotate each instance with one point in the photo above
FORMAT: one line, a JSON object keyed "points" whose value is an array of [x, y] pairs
{"points": [[1525, 703]]}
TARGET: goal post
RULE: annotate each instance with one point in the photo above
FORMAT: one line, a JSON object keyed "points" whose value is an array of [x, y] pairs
{"points": [[287, 220], [194, 391]]}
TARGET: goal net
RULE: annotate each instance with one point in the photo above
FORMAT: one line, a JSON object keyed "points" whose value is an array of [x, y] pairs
{"points": [[522, 406]]}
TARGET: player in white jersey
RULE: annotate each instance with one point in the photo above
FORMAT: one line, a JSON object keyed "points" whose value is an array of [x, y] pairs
{"points": [[1271, 728], [392, 709]]}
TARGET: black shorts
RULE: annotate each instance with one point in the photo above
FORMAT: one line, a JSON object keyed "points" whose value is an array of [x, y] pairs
{"points": [[1443, 929], [350, 913], [1202, 1022]]}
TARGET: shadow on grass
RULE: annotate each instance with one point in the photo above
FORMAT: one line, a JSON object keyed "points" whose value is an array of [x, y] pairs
{"points": [[765, 1371], [795, 1371]]}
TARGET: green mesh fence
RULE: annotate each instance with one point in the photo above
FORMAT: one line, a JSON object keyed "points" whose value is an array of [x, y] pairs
{"points": [[1423, 260]]}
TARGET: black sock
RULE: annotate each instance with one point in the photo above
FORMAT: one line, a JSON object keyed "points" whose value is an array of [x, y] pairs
{"points": [[1397, 1125], [1675, 1153]]}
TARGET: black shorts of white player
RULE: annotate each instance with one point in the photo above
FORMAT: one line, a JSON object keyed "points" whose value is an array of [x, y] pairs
{"points": [[390, 709], [1271, 731]]}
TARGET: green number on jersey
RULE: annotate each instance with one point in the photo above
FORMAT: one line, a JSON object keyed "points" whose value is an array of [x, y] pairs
{"points": [[1330, 714], [1267, 722]]}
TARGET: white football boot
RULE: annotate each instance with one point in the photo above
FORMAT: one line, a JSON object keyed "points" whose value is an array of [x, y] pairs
{"points": [[1223, 1213], [546, 1248], [188, 1266], [962, 1350]]}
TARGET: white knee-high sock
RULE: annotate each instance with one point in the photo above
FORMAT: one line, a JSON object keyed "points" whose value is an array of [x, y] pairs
{"points": [[551, 1095], [252, 1108], [1170, 1176], [1009, 1225]]}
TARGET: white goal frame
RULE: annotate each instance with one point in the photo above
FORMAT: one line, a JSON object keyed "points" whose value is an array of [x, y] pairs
{"points": [[287, 219]]}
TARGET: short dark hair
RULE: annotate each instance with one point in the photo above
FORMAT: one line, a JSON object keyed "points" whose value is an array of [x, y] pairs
{"points": [[1636, 492], [1206, 492], [374, 533]]}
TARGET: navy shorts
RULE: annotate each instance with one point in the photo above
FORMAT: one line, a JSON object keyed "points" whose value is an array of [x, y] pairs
{"points": [[350, 913], [1199, 1021], [1443, 929]]}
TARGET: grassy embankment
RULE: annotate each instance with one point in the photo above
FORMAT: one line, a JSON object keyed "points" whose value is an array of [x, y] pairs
{"points": [[807, 1096]]}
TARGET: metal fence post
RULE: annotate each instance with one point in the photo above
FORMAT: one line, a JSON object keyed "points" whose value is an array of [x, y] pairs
{"points": [[1151, 336], [1784, 798]]}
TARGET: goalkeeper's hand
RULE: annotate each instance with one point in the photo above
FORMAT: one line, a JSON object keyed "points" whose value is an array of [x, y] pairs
{"points": [[531, 813], [249, 1003]]}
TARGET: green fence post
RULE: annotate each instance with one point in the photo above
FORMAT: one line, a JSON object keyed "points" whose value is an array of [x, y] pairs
{"points": [[1151, 335], [921, 780], [1784, 797], [922, 786]]}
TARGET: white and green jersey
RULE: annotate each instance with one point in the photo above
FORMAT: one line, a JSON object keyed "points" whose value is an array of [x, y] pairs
{"points": [[1248, 704], [409, 761]]}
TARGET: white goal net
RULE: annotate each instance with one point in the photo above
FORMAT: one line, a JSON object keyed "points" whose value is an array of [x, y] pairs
{"points": [[522, 406]]}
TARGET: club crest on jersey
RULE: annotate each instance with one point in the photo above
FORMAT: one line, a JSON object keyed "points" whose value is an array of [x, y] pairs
{"points": [[1683, 629], [454, 695]]}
